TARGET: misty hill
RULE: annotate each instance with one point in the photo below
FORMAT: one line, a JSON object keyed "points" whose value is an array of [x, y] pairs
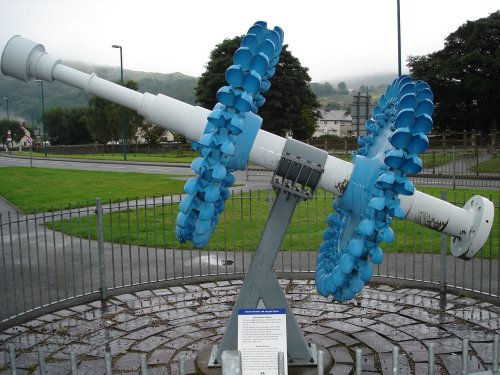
{"points": [[355, 82], [23, 96], [338, 95]]}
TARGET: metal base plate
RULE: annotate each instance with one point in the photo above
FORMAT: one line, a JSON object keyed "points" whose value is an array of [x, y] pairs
{"points": [[208, 353]]}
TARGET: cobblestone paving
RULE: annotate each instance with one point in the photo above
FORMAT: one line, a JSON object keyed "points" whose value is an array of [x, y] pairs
{"points": [[167, 323]]}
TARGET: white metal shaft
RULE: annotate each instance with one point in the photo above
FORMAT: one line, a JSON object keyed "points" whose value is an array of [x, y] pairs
{"points": [[434, 213], [190, 121], [27, 60]]}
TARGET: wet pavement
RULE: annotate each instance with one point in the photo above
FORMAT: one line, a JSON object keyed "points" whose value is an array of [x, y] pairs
{"points": [[167, 323]]}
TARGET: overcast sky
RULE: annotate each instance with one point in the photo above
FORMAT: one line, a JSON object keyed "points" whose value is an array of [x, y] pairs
{"points": [[335, 39]]}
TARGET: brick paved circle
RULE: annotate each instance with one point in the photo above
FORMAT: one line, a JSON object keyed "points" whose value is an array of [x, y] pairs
{"points": [[167, 323]]}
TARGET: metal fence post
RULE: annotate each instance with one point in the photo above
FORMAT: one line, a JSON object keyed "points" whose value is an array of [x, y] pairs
{"points": [[465, 357], [231, 362], [454, 168], [12, 355], [182, 365], [144, 364], [395, 364], [431, 358], [321, 366], [358, 361], [477, 159], [281, 363], [74, 364], [100, 247], [41, 360], [495, 354], [108, 363], [433, 162], [443, 253]]}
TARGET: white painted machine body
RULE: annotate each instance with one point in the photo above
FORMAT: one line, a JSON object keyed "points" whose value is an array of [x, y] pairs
{"points": [[470, 226]]}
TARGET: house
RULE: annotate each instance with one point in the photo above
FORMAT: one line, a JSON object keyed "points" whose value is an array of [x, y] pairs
{"points": [[24, 141], [336, 122]]}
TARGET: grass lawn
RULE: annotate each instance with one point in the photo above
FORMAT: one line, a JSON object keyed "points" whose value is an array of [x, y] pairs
{"points": [[433, 159], [430, 159], [489, 166], [239, 227], [242, 222], [166, 157], [46, 188]]}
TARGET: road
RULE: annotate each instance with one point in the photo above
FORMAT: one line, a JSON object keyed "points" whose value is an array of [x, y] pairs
{"points": [[97, 165], [256, 182]]}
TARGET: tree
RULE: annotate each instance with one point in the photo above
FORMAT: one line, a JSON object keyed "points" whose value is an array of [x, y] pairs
{"points": [[65, 126], [465, 76], [342, 88], [322, 89], [97, 120], [104, 119], [291, 106], [333, 105], [152, 133], [16, 131]]}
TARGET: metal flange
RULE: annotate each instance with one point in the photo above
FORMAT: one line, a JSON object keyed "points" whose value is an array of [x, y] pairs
{"points": [[481, 213]]}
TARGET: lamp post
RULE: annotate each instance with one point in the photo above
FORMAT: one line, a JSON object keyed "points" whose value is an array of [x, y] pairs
{"points": [[32, 124], [43, 119], [399, 41], [122, 114], [32, 136], [8, 133], [7, 100]]}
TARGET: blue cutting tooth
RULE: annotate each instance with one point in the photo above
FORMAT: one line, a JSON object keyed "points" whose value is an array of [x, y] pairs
{"points": [[235, 76], [356, 246], [386, 180], [252, 82], [402, 117], [405, 118], [401, 138], [418, 143], [412, 165], [226, 96], [243, 57], [407, 101], [253, 64], [422, 124], [424, 107]]}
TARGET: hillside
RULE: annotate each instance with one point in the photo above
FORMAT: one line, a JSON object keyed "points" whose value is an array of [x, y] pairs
{"points": [[354, 82], [23, 96]]}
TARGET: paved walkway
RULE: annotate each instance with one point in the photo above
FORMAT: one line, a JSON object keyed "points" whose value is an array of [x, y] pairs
{"points": [[167, 323]]}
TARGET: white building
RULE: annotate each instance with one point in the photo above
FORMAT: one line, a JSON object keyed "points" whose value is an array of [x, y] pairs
{"points": [[335, 122]]}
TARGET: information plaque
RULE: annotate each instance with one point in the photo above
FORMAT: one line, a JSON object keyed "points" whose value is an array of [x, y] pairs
{"points": [[261, 336]]}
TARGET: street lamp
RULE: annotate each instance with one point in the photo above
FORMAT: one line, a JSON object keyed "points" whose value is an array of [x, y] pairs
{"points": [[43, 119], [32, 136], [32, 123], [7, 100], [122, 114]]}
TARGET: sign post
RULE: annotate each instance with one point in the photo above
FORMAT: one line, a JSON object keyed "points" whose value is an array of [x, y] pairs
{"points": [[9, 140], [295, 180], [30, 141], [261, 336], [361, 109]]}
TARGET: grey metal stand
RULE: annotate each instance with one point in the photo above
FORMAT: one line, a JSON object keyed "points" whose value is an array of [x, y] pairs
{"points": [[294, 180]]}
